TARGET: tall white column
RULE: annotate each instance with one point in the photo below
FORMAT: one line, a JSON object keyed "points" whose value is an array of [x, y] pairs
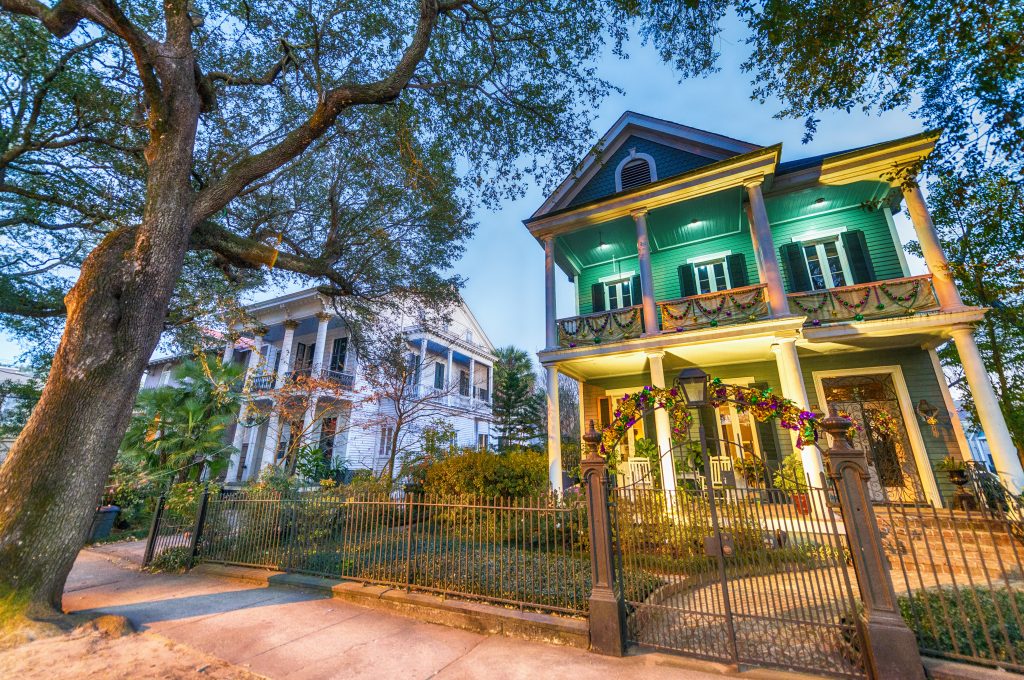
{"points": [[931, 249], [229, 348], [643, 251], [422, 365], [490, 383], [472, 378], [791, 376], [582, 415], [662, 426], [243, 410], [449, 380], [761, 233], [1004, 453], [550, 320], [323, 318], [554, 431], [283, 369]]}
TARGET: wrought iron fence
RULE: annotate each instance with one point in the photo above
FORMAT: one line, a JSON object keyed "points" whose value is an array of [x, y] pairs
{"points": [[958, 573], [172, 534], [740, 575], [530, 553]]}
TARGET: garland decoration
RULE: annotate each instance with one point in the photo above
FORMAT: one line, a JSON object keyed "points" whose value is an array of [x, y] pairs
{"points": [[762, 404]]}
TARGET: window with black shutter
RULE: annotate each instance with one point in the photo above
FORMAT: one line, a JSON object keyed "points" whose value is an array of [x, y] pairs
{"points": [[635, 173]]}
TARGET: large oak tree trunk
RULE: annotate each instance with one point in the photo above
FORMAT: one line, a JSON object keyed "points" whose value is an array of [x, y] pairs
{"points": [[56, 469]]}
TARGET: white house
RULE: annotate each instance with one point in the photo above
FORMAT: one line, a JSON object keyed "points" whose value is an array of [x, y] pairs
{"points": [[9, 374], [302, 335]]}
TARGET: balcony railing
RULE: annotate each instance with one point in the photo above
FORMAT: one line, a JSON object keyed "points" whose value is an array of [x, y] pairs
{"points": [[876, 300], [736, 305], [482, 394], [266, 381], [593, 329]]}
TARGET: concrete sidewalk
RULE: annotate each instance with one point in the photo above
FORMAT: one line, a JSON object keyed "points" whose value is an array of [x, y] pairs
{"points": [[291, 633]]}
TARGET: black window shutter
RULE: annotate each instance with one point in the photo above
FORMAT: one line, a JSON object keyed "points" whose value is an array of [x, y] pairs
{"points": [[597, 296], [736, 264], [857, 254], [796, 267], [636, 292], [687, 283], [768, 438]]}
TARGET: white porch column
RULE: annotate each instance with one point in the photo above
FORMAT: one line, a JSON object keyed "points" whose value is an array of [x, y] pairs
{"points": [[423, 362], [472, 379], [284, 367], [316, 373], [643, 250], [1004, 453], [240, 430], [662, 426], [549, 293], [229, 348], [764, 246], [323, 318], [490, 384], [554, 431], [792, 379], [448, 380], [582, 416], [934, 257]]}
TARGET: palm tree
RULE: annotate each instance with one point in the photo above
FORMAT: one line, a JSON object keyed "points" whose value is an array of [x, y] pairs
{"points": [[179, 432]]}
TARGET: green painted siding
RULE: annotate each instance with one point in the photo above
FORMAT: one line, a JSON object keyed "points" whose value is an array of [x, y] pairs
{"points": [[884, 256], [665, 264], [668, 162], [915, 364], [592, 275]]}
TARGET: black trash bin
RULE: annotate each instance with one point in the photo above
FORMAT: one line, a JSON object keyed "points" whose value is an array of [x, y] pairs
{"points": [[103, 522]]}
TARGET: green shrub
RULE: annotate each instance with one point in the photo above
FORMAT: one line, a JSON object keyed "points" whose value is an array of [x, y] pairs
{"points": [[133, 490], [964, 620], [790, 476], [517, 473], [183, 499], [172, 559]]}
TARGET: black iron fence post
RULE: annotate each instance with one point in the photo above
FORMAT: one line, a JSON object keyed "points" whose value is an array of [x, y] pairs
{"points": [[891, 647], [408, 541], [607, 609], [154, 530], [197, 528]]}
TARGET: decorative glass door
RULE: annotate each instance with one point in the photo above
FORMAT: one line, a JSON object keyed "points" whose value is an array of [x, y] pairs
{"points": [[872, 403]]}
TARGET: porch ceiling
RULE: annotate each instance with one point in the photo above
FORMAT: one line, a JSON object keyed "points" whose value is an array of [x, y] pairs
{"points": [[804, 203]]}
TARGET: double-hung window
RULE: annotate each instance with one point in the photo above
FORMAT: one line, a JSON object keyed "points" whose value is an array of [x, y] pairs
{"points": [[619, 294], [827, 264], [712, 276], [439, 376]]}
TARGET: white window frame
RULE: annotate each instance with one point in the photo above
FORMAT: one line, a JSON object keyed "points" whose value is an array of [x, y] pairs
{"points": [[617, 284], [826, 270], [635, 155]]}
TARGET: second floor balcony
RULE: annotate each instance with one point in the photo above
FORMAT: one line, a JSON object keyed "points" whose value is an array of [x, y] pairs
{"points": [[863, 302], [323, 378]]}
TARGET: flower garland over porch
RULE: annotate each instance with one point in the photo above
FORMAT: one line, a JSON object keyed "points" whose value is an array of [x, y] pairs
{"points": [[762, 404]]}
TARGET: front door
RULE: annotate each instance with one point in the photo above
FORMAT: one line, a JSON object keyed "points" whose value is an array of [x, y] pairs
{"points": [[872, 403]]}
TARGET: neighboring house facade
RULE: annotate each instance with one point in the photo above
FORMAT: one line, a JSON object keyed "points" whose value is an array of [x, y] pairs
{"points": [[302, 336], [977, 442], [687, 248], [9, 374]]}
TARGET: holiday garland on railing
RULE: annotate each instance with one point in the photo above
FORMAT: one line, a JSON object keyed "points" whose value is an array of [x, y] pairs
{"points": [[762, 404]]}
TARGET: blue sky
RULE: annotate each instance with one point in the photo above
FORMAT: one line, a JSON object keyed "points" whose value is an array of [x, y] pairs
{"points": [[504, 266]]}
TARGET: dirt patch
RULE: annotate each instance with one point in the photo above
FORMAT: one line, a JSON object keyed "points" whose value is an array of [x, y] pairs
{"points": [[106, 651]]}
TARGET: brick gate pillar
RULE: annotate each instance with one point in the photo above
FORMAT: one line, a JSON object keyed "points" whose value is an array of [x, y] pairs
{"points": [[607, 609], [890, 646]]}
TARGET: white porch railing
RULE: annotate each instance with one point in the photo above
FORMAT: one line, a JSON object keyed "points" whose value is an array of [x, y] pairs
{"points": [[636, 472]]}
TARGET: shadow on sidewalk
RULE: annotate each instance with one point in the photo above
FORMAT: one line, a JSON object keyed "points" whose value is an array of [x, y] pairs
{"points": [[208, 604]]}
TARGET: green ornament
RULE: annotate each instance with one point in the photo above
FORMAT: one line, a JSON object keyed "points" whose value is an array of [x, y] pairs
{"points": [[714, 322], [858, 317], [597, 341], [880, 306]]}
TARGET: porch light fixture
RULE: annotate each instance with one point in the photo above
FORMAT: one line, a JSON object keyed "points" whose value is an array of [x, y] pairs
{"points": [[818, 202], [694, 385], [694, 222], [927, 412], [600, 241]]}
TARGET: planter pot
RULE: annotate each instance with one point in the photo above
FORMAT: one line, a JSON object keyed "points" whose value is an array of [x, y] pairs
{"points": [[802, 503], [958, 477], [103, 522]]}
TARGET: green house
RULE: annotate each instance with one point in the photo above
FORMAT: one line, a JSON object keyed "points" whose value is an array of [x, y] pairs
{"points": [[690, 249]]}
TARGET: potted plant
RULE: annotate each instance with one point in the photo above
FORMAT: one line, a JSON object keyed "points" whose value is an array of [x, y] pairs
{"points": [[752, 469], [955, 468], [790, 477]]}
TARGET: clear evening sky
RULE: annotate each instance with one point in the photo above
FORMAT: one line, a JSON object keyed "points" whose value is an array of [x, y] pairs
{"points": [[504, 266]]}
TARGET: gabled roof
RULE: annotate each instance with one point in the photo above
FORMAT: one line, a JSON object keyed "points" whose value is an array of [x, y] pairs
{"points": [[700, 143]]}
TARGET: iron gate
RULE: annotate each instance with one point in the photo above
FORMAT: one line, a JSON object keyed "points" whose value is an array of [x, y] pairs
{"points": [[747, 576]]}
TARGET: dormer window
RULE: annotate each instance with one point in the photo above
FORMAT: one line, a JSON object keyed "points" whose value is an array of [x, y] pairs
{"points": [[635, 170]]}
